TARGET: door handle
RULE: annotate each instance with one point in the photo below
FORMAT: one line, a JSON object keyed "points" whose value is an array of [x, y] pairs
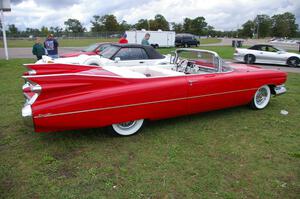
{"points": [[192, 81], [141, 62]]}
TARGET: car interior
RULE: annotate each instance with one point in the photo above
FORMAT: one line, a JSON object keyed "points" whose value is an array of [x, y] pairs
{"points": [[190, 63]]}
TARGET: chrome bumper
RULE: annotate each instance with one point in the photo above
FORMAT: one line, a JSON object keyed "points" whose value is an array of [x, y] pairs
{"points": [[27, 115], [279, 90], [238, 57]]}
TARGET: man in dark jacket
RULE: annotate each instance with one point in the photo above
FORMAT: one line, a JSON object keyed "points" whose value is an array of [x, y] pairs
{"points": [[51, 46], [38, 50]]}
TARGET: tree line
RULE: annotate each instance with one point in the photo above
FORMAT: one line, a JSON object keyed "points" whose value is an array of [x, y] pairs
{"points": [[280, 25]]}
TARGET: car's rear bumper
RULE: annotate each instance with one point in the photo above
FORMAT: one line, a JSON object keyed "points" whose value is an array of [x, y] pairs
{"points": [[279, 90], [27, 115]]}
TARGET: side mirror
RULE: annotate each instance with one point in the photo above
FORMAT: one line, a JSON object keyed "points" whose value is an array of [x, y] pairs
{"points": [[97, 51], [117, 59]]}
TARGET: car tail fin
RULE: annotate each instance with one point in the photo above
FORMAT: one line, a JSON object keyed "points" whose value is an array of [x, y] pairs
{"points": [[55, 68]]}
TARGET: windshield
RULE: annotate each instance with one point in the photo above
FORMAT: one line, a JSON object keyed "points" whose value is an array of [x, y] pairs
{"points": [[90, 48], [200, 57], [109, 51], [201, 61]]}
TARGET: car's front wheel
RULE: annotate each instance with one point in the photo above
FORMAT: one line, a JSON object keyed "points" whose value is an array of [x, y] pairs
{"points": [[293, 62], [128, 128], [249, 59], [261, 98]]}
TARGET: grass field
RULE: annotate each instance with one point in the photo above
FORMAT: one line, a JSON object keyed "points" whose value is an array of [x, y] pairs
{"points": [[233, 153], [81, 42]]}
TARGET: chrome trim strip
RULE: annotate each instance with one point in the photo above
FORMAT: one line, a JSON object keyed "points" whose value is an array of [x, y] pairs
{"points": [[139, 104]]}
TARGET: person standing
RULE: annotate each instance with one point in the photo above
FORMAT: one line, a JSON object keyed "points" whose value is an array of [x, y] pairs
{"points": [[145, 41], [51, 46], [123, 39], [38, 49]]}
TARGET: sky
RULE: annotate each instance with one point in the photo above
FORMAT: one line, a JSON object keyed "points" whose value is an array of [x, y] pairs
{"points": [[222, 14]]}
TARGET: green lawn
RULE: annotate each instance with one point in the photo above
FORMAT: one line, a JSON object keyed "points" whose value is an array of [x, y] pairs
{"points": [[81, 42], [233, 153]]}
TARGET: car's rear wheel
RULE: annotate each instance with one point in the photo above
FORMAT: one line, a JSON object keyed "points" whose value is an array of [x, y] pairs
{"points": [[128, 128], [249, 59], [293, 62], [261, 98]]}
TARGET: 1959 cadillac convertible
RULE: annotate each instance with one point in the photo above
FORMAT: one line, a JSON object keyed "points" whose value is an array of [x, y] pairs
{"points": [[123, 97]]}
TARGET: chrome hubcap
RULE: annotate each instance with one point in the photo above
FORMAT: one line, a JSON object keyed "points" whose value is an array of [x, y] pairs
{"points": [[126, 125], [293, 62], [261, 96], [249, 59]]}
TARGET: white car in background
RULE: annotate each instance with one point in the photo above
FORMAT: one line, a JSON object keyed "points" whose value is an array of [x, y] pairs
{"points": [[266, 54], [116, 55]]}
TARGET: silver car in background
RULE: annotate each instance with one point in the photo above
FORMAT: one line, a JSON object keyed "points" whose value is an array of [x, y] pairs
{"points": [[266, 54]]}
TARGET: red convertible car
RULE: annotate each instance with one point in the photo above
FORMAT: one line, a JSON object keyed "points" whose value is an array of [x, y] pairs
{"points": [[93, 49], [123, 97]]}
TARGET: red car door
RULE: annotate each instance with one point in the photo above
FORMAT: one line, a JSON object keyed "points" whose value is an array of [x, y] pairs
{"points": [[217, 90]]}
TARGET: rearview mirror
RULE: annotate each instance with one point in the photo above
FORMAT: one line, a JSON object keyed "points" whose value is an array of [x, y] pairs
{"points": [[117, 59]]}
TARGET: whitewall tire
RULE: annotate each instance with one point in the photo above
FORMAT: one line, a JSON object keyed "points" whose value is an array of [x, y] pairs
{"points": [[128, 128], [261, 98]]}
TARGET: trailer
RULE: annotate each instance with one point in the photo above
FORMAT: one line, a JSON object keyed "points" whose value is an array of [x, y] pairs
{"points": [[157, 38]]}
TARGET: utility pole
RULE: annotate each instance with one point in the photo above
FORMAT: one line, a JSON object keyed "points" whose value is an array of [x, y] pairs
{"points": [[4, 7], [4, 35]]}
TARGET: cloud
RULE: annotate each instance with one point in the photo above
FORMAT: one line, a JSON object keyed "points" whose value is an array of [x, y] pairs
{"points": [[224, 15]]}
